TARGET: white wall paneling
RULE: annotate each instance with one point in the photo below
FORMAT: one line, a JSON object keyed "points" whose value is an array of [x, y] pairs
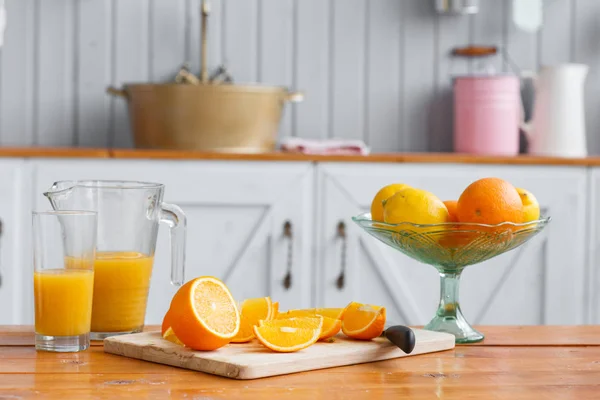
{"points": [[377, 70]]}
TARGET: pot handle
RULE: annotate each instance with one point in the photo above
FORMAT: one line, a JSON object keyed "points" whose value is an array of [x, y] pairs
{"points": [[116, 92], [294, 97]]}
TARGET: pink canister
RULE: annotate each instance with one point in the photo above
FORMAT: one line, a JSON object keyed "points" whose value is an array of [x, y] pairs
{"points": [[487, 114]]}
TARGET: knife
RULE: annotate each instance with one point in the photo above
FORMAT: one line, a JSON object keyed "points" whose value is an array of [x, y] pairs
{"points": [[402, 336]]}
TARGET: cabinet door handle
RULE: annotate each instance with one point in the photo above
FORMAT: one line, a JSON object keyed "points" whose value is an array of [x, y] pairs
{"points": [[340, 282], [287, 234]]}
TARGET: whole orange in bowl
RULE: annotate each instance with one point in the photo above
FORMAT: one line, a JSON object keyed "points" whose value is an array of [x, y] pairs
{"points": [[452, 205], [490, 201]]}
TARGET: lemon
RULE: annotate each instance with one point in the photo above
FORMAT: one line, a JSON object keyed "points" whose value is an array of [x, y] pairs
{"points": [[416, 206], [384, 193], [531, 207]]}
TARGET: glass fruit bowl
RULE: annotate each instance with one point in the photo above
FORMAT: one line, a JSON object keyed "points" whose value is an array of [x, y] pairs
{"points": [[450, 248]]}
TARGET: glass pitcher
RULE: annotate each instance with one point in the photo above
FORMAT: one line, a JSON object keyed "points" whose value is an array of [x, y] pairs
{"points": [[128, 217]]}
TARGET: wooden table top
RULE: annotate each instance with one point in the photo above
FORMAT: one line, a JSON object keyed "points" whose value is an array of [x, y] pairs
{"points": [[512, 363], [427, 158]]}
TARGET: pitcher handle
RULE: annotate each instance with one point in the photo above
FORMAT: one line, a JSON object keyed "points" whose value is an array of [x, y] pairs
{"points": [[175, 218]]}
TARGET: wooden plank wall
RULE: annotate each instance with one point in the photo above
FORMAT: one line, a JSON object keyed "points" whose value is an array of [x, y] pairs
{"points": [[376, 70]]}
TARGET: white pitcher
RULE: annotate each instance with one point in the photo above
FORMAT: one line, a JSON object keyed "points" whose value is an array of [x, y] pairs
{"points": [[558, 121]]}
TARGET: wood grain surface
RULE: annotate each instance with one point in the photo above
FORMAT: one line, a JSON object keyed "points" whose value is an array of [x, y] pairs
{"points": [[543, 369], [424, 158], [252, 360]]}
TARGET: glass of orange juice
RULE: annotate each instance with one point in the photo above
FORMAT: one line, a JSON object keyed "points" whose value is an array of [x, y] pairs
{"points": [[64, 247]]}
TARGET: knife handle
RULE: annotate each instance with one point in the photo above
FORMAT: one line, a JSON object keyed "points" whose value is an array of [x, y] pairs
{"points": [[401, 336]]}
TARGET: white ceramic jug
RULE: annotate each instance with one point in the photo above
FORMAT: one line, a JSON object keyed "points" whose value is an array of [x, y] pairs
{"points": [[558, 121]]}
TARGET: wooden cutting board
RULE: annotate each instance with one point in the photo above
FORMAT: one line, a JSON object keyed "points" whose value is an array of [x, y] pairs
{"points": [[253, 360]]}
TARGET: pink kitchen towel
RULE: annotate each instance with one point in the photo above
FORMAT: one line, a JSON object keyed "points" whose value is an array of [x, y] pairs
{"points": [[325, 147]]}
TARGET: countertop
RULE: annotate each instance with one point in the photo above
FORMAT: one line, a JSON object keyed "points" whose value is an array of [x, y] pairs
{"points": [[442, 158], [512, 363]]}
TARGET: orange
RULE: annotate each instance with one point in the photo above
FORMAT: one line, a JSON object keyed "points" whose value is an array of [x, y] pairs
{"points": [[252, 311], [287, 339], [275, 309], [204, 315], [451, 206], [490, 201], [335, 313], [170, 336], [383, 194], [166, 323], [363, 321], [330, 326], [531, 207]]}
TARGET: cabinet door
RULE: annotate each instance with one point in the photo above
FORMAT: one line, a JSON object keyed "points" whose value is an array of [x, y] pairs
{"points": [[14, 215], [237, 214], [594, 248], [539, 283]]}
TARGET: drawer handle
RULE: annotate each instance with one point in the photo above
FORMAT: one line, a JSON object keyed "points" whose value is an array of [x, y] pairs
{"points": [[340, 282], [287, 234]]}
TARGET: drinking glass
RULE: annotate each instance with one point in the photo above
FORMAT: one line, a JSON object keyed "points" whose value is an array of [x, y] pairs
{"points": [[64, 247]]}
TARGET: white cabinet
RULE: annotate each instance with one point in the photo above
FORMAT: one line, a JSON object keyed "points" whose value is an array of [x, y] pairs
{"points": [[541, 283], [14, 214], [236, 213], [594, 248]]}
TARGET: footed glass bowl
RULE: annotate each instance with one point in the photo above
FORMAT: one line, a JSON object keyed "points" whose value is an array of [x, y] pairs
{"points": [[450, 248]]}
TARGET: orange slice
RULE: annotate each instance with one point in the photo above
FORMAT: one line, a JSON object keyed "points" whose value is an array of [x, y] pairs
{"points": [[252, 311], [166, 323], [330, 326], [363, 321], [204, 315], [335, 313], [275, 309], [287, 339], [295, 322], [170, 336]]}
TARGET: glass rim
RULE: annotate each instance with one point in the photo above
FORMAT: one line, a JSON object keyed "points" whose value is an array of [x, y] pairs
{"points": [[80, 213], [106, 184]]}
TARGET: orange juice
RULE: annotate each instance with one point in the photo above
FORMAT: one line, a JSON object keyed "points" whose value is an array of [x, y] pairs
{"points": [[63, 301], [121, 284]]}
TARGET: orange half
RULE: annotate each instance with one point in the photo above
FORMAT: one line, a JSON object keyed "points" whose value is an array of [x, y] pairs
{"points": [[252, 311], [204, 315], [363, 321]]}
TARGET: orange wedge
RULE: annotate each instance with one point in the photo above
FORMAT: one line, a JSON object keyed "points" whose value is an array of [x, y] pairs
{"points": [[252, 311], [204, 315], [335, 313], [329, 327], [363, 321], [275, 309], [287, 339], [166, 323], [170, 336]]}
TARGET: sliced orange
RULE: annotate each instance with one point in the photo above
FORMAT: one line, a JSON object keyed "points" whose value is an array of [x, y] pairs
{"points": [[171, 337], [204, 315], [287, 339], [331, 327], [166, 323], [335, 313], [363, 321], [252, 311], [275, 309], [294, 322]]}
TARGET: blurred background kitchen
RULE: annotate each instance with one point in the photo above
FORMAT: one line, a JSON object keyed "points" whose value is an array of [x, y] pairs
{"points": [[378, 76], [379, 71]]}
